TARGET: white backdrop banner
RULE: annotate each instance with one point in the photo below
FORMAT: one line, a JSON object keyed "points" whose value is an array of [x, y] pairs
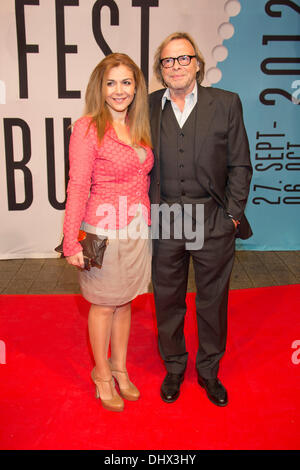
{"points": [[48, 51]]}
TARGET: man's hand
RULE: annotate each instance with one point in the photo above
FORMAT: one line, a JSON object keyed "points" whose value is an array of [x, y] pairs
{"points": [[236, 222]]}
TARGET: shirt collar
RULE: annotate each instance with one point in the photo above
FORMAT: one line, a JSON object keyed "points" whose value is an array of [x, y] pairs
{"points": [[193, 96]]}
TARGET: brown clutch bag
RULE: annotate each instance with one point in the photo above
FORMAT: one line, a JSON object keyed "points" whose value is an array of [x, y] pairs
{"points": [[93, 249]]}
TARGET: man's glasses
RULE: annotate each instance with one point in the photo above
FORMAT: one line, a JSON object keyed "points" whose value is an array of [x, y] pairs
{"points": [[184, 60]]}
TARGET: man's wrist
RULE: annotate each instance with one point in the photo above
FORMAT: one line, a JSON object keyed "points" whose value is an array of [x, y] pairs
{"points": [[235, 221]]}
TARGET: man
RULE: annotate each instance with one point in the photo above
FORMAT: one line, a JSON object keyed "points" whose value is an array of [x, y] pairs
{"points": [[201, 158]]}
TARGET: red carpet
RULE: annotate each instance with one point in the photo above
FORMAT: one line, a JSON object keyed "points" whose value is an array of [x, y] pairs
{"points": [[47, 399]]}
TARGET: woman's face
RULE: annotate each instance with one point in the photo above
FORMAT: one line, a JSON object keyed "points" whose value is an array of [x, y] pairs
{"points": [[119, 87]]}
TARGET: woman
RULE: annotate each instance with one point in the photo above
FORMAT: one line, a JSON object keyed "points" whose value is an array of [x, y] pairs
{"points": [[110, 160]]}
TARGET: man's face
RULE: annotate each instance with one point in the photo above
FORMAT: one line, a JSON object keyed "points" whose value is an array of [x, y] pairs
{"points": [[179, 78]]}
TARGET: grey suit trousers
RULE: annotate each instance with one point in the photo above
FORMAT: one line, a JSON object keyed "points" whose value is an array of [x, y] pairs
{"points": [[212, 267]]}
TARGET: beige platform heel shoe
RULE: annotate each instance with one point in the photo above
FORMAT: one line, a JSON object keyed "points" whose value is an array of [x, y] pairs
{"points": [[113, 404], [130, 393]]}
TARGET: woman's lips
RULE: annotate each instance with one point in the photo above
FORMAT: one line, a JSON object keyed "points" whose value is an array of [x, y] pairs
{"points": [[119, 100]]}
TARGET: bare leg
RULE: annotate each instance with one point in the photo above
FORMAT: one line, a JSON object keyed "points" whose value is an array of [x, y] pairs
{"points": [[100, 327], [119, 341]]}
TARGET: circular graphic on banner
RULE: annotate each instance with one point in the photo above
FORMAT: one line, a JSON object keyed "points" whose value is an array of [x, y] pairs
{"points": [[232, 7], [226, 30], [214, 75], [220, 53]]}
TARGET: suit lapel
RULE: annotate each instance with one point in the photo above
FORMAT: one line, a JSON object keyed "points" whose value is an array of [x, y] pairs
{"points": [[205, 112], [155, 118]]}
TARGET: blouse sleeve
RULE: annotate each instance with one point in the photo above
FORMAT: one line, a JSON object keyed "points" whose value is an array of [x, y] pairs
{"points": [[82, 156]]}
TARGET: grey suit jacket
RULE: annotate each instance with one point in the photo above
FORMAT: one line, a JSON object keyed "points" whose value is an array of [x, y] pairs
{"points": [[222, 157]]}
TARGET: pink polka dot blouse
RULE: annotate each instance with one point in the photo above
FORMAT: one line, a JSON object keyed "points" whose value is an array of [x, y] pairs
{"points": [[106, 183]]}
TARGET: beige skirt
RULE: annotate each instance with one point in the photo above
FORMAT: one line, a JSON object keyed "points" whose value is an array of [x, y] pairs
{"points": [[126, 269]]}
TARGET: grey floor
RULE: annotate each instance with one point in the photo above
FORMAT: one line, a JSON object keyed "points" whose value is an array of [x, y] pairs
{"points": [[55, 276]]}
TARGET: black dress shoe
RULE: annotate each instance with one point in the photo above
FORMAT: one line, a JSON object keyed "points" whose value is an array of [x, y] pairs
{"points": [[215, 391], [170, 387]]}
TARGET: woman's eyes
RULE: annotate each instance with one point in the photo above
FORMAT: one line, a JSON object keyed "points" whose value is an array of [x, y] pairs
{"points": [[125, 82]]}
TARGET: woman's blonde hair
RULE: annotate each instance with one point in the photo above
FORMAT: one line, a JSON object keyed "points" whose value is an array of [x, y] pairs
{"points": [[96, 107], [172, 37]]}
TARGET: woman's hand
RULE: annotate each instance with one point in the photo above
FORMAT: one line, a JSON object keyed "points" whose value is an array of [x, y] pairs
{"points": [[76, 260]]}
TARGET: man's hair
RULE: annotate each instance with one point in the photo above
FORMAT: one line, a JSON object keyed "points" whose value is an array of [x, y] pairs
{"points": [[96, 107], [179, 35]]}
